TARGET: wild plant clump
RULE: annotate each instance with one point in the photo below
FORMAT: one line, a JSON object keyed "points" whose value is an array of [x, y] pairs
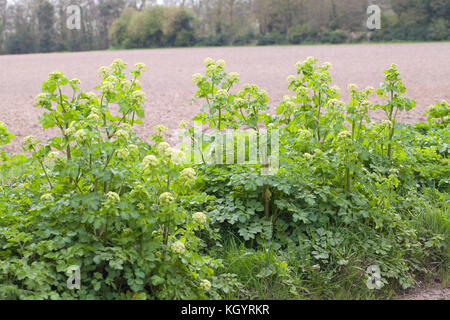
{"points": [[142, 220], [100, 198]]}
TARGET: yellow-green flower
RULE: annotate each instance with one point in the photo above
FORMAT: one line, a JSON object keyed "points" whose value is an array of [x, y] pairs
{"points": [[183, 124], [96, 111], [137, 84], [126, 127], [344, 135], [93, 117], [70, 130], [367, 104], [123, 153], [160, 129], [56, 75], [386, 123], [163, 146], [335, 89], [47, 197], [139, 96], [222, 94], [134, 149], [113, 196], [220, 63], [234, 77], [166, 198], [393, 171], [43, 99], [141, 67], [103, 71], [302, 91], [197, 79], [76, 81], [327, 66], [178, 247], [290, 79], [334, 103], [53, 155], [121, 133], [318, 152], [208, 62], [80, 136], [28, 140], [205, 285], [188, 175], [199, 217], [175, 155], [118, 64], [107, 87], [150, 161], [304, 134], [370, 90], [112, 79], [126, 84], [90, 95]]}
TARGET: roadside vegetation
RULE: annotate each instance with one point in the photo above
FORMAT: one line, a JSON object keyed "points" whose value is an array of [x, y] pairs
{"points": [[357, 209]]}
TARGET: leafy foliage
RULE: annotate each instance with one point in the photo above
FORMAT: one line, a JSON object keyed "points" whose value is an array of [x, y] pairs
{"points": [[140, 224], [113, 205]]}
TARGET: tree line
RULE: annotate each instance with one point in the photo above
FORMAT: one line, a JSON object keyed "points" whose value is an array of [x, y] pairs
{"points": [[28, 26]]}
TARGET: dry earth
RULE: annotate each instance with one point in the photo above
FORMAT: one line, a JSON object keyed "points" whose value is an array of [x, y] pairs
{"points": [[425, 68], [428, 292]]}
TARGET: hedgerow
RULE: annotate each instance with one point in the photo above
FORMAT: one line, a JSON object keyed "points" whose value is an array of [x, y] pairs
{"points": [[140, 223]]}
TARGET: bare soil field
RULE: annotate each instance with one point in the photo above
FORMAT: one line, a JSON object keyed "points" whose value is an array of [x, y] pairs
{"points": [[425, 68]]}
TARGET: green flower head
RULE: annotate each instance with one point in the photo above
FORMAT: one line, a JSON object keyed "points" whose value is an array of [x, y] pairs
{"points": [[139, 97], [103, 71], [199, 217], [113, 196], [47, 197], [159, 129], [205, 285], [188, 175], [43, 100], [178, 247], [197, 79], [123, 153], [234, 77], [141, 67], [56, 75], [80, 136], [150, 161], [208, 62], [166, 198], [122, 134]]}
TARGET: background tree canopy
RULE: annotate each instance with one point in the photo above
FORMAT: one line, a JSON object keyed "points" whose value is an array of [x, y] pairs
{"points": [[40, 25]]}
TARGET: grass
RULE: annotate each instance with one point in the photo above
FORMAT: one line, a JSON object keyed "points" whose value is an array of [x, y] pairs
{"points": [[287, 274]]}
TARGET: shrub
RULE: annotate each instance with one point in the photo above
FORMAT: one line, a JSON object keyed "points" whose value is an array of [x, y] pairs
{"points": [[351, 195], [99, 198], [339, 198]]}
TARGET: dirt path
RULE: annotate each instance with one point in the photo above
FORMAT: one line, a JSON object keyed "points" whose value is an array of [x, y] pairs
{"points": [[425, 69], [422, 292]]}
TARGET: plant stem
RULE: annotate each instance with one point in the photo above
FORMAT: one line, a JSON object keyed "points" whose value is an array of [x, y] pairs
{"points": [[348, 180]]}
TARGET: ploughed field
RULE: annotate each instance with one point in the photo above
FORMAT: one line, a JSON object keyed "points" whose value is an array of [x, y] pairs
{"points": [[425, 69]]}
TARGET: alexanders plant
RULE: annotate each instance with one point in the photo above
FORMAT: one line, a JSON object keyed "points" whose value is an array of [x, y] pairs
{"points": [[100, 198]]}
